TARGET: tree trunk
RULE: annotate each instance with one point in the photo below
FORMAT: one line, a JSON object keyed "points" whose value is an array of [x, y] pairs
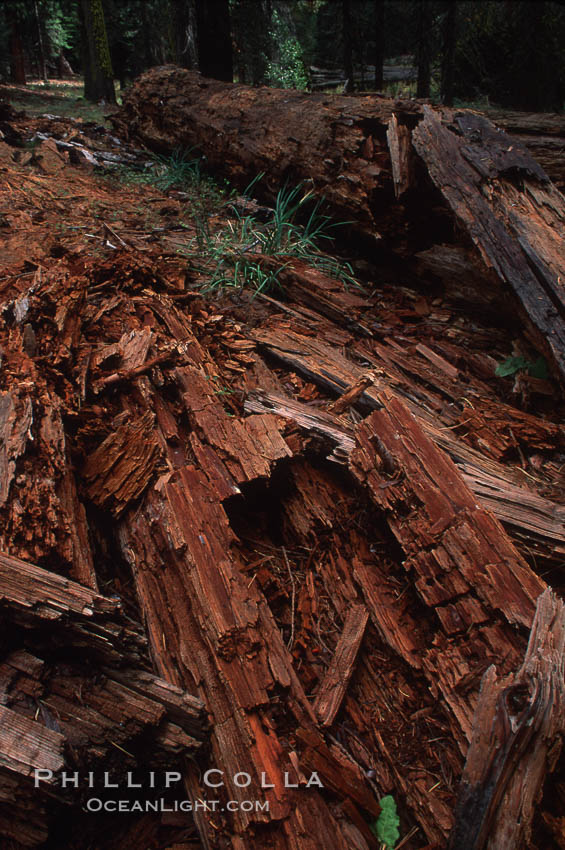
{"points": [[281, 134], [423, 48], [379, 43], [17, 55], [185, 33], [215, 57], [448, 59], [41, 51], [251, 21], [347, 26], [98, 76]]}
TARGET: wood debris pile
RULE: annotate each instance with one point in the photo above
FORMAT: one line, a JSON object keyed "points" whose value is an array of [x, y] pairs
{"points": [[284, 536]]}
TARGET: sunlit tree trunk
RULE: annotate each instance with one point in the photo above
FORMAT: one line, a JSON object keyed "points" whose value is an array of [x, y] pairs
{"points": [[98, 74]]}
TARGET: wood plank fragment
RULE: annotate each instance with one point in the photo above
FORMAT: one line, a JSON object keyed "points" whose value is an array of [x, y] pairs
{"points": [[401, 155], [351, 394], [448, 533], [334, 685], [313, 420]]}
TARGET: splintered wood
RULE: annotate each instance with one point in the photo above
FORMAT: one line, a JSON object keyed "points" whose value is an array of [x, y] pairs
{"points": [[517, 738], [334, 686], [299, 542]]}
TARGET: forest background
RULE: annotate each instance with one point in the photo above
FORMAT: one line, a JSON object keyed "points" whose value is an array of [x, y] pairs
{"points": [[502, 53]]}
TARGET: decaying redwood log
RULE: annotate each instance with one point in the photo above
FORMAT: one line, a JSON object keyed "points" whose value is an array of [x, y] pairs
{"points": [[517, 235], [542, 133], [540, 522], [315, 521], [517, 738], [360, 154], [42, 727]]}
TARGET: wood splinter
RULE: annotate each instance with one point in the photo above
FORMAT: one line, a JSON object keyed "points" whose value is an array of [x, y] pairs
{"points": [[333, 687], [352, 394]]}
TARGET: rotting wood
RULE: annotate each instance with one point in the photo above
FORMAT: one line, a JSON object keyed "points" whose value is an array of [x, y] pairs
{"points": [[332, 690], [448, 533], [249, 550], [234, 656], [85, 710], [513, 230], [35, 592], [539, 521], [504, 223], [542, 133], [310, 419], [517, 739], [120, 468], [209, 629], [351, 394], [401, 156]]}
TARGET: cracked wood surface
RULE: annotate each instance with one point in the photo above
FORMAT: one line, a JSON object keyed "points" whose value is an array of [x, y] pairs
{"points": [[501, 491], [335, 617], [517, 738]]}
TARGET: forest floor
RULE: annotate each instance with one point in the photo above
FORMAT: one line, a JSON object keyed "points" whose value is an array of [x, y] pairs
{"points": [[57, 97], [152, 239]]}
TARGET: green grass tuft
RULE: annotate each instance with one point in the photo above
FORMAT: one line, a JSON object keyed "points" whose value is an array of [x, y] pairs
{"points": [[233, 258]]}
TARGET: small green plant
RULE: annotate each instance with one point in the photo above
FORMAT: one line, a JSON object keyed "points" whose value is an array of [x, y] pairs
{"points": [[288, 70], [241, 254], [387, 823], [537, 368]]}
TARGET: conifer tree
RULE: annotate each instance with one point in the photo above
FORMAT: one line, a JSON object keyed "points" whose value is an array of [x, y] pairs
{"points": [[98, 73]]}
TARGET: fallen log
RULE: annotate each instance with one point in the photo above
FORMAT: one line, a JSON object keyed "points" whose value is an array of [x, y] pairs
{"points": [[360, 154], [517, 738], [302, 604], [542, 133], [540, 522]]}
